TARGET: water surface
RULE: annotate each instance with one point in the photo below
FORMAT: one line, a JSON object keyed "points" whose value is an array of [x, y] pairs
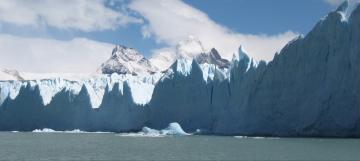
{"points": [[109, 146]]}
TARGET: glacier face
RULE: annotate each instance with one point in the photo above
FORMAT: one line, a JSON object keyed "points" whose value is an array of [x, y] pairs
{"points": [[95, 103], [141, 87], [311, 88]]}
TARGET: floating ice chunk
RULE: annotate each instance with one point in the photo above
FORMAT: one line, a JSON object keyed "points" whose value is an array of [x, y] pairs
{"points": [[148, 130], [45, 130], [255, 137], [145, 132], [75, 131], [173, 129]]}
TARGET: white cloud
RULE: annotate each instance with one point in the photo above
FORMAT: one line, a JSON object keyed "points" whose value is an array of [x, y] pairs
{"points": [[163, 58], [48, 55], [170, 21], [84, 15]]}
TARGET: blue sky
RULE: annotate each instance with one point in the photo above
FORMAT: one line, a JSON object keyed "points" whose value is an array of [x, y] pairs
{"points": [[263, 16], [78, 30]]}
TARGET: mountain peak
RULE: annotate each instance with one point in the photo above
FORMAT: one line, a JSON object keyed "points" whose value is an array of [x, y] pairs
{"points": [[118, 48], [212, 57], [215, 54], [192, 48], [126, 60], [125, 53]]}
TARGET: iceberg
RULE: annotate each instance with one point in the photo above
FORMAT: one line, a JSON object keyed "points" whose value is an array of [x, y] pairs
{"points": [[45, 130], [173, 129], [75, 131]]}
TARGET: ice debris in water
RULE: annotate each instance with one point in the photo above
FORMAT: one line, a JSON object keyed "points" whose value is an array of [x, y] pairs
{"points": [[173, 129]]}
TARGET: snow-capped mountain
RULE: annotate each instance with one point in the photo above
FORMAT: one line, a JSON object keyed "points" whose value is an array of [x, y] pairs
{"points": [[189, 49], [192, 48], [126, 60], [212, 57]]}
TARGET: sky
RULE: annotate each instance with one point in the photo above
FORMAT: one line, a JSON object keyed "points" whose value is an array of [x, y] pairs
{"points": [[78, 35]]}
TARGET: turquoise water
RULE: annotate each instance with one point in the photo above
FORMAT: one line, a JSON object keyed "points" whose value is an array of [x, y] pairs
{"points": [[92, 146]]}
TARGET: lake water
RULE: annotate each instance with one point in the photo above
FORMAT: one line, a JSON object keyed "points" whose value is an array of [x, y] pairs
{"points": [[95, 146]]}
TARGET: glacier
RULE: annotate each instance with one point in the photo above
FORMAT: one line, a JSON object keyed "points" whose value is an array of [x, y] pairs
{"points": [[141, 86], [311, 88]]}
